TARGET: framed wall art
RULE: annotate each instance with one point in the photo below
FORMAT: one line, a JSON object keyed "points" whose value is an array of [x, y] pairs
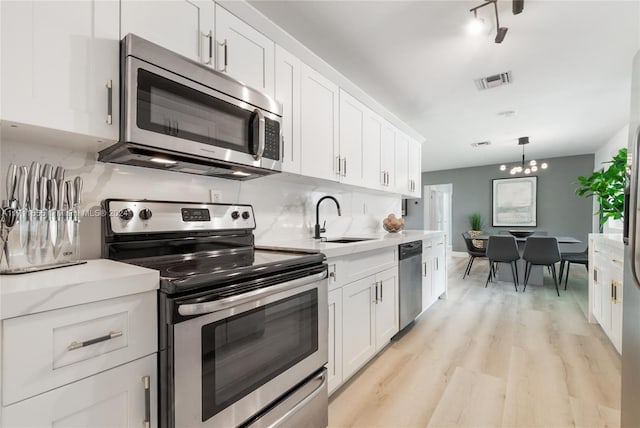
{"points": [[515, 201]]}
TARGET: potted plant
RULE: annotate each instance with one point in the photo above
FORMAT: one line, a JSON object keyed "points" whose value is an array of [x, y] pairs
{"points": [[475, 221], [608, 187]]}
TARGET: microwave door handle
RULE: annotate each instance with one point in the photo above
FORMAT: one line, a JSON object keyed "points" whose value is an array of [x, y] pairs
{"points": [[261, 136], [218, 305]]}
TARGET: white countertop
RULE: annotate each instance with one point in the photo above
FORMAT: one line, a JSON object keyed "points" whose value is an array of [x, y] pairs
{"points": [[336, 250], [95, 280]]}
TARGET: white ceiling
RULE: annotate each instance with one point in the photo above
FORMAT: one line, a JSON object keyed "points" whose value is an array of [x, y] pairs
{"points": [[571, 64]]}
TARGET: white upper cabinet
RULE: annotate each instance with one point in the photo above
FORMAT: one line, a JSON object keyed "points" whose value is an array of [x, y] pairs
{"points": [[244, 53], [182, 26], [388, 156], [402, 184], [60, 65], [372, 174], [415, 169], [319, 125], [288, 94], [378, 162], [352, 118]]}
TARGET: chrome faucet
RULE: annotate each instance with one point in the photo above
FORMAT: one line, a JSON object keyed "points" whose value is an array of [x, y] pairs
{"points": [[318, 230]]}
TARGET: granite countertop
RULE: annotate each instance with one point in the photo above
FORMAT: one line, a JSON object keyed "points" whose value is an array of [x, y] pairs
{"points": [[28, 293], [336, 250]]}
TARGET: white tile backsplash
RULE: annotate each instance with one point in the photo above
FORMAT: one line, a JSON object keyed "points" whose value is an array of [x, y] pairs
{"points": [[284, 204]]}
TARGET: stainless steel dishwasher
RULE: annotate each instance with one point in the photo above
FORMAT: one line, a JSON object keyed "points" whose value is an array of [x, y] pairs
{"points": [[410, 283]]}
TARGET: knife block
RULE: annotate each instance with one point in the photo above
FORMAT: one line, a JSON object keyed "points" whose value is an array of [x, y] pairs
{"points": [[40, 240]]}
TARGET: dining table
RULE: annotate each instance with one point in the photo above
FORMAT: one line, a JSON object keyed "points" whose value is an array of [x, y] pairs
{"points": [[536, 277]]}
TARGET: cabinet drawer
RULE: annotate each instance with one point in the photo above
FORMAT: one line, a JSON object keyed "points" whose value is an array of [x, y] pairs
{"points": [[43, 351], [360, 265], [114, 398]]}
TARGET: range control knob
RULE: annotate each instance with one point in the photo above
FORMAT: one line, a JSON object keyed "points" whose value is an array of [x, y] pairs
{"points": [[145, 214], [235, 215], [126, 214], [246, 215]]}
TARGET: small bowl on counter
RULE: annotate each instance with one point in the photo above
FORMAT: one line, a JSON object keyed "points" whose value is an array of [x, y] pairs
{"points": [[392, 229]]}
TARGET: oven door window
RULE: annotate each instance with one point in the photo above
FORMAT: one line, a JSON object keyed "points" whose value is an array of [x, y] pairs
{"points": [[245, 351], [170, 108]]}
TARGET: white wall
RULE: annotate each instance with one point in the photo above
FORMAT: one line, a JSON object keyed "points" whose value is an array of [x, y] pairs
{"points": [[284, 205], [605, 154]]}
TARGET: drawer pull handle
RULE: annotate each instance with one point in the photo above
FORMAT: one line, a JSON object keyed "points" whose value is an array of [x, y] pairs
{"points": [[78, 345], [146, 380]]}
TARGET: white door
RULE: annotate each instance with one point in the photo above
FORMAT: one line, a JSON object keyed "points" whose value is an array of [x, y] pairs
{"points": [[358, 325], [182, 26], [288, 93], [387, 316], [351, 125], [319, 125], [334, 366], [58, 61], [113, 398], [438, 209], [244, 53]]}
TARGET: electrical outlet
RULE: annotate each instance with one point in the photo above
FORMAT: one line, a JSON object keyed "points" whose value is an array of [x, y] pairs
{"points": [[215, 195]]}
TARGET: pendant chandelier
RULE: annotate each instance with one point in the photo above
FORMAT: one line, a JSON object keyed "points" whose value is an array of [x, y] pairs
{"points": [[523, 167]]}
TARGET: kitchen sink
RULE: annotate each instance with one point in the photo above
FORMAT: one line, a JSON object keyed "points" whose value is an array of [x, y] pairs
{"points": [[347, 240]]}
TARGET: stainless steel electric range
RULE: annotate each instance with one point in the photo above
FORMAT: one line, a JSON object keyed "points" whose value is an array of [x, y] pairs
{"points": [[242, 332]]}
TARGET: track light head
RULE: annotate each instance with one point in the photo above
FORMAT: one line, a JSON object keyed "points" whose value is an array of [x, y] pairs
{"points": [[500, 34], [517, 6]]}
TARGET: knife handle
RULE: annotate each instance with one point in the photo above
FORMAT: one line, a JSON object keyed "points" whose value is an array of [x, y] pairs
{"points": [[23, 187], [70, 194], [43, 193], [59, 175], [53, 193], [33, 190], [47, 171], [77, 188], [11, 181], [61, 193]]}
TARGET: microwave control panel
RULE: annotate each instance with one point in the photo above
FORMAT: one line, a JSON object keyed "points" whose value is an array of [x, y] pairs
{"points": [[271, 140]]}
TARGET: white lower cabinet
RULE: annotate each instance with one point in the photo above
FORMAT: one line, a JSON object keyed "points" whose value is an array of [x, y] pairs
{"points": [[434, 270], [369, 314], [606, 273], [334, 366], [121, 397]]}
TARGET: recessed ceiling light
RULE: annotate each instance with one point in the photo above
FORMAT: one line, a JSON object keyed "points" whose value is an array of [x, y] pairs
{"points": [[507, 113]]}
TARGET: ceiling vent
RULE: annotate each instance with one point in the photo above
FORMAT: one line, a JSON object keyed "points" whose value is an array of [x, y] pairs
{"points": [[481, 143], [493, 81]]}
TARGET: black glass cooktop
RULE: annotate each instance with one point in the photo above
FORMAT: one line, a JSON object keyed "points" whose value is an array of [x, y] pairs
{"points": [[220, 268]]}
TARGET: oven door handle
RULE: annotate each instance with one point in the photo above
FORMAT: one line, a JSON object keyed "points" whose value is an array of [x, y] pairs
{"points": [[218, 305]]}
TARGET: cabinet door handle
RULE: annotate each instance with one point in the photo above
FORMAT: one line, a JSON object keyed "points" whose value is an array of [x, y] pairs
{"points": [[437, 263], [383, 178], [77, 345], [146, 380], [209, 36], [376, 301], [338, 165], [332, 274], [344, 167], [424, 269], [381, 298], [386, 173], [109, 86], [225, 52]]}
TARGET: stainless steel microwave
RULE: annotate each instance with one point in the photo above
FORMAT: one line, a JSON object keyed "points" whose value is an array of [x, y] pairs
{"points": [[180, 115]]}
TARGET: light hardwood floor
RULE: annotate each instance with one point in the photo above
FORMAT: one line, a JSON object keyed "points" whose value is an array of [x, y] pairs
{"points": [[491, 358]]}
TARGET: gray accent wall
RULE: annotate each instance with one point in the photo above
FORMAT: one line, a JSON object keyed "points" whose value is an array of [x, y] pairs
{"points": [[560, 210]]}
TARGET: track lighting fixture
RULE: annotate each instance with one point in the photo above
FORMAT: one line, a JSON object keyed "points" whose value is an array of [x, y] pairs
{"points": [[477, 24]]}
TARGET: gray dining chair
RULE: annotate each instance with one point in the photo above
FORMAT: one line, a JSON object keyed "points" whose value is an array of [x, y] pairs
{"points": [[503, 249], [473, 251], [541, 251], [581, 258]]}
